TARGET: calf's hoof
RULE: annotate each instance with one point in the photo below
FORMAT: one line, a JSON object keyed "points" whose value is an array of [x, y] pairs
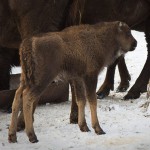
{"points": [[12, 138], [99, 132], [33, 138], [84, 128]]}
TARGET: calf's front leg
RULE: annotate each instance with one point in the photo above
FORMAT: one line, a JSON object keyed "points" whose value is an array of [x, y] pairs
{"points": [[90, 85]]}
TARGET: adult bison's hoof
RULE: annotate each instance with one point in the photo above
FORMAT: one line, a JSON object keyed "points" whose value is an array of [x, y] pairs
{"points": [[132, 95], [6, 110], [12, 138], [103, 94], [135, 91], [122, 87], [104, 91]]}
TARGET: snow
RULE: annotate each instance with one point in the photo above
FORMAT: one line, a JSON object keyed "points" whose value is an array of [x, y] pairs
{"points": [[126, 123]]}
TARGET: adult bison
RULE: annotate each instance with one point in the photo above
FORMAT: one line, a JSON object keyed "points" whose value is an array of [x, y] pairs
{"points": [[23, 18]]}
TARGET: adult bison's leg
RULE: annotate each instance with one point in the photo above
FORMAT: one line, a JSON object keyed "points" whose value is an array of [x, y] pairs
{"points": [[142, 81], [124, 75], [8, 58], [109, 81], [5, 66]]}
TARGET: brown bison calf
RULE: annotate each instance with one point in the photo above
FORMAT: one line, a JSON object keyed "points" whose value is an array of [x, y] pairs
{"points": [[76, 54]]}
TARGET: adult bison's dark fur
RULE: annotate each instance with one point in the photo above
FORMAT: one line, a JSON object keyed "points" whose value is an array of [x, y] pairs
{"points": [[35, 16], [55, 93], [50, 56], [20, 19]]}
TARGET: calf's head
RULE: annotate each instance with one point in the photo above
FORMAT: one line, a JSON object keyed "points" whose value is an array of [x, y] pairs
{"points": [[125, 40]]}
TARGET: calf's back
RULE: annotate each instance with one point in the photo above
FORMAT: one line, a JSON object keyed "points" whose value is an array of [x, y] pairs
{"points": [[76, 51]]}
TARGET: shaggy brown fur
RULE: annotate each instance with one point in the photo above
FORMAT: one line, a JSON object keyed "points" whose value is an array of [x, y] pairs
{"points": [[76, 54]]}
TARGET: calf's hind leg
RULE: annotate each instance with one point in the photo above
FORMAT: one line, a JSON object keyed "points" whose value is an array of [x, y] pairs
{"points": [[74, 107], [81, 102], [30, 101], [15, 110], [21, 122], [90, 85]]}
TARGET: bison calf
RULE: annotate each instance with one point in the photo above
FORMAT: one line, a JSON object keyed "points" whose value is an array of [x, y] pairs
{"points": [[76, 54]]}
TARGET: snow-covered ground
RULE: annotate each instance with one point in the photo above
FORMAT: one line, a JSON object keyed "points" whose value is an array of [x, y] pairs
{"points": [[126, 124]]}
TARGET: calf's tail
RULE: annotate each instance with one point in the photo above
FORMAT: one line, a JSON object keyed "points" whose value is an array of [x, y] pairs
{"points": [[27, 62]]}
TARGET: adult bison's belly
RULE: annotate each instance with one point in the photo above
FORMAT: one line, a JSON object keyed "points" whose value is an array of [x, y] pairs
{"points": [[55, 93]]}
